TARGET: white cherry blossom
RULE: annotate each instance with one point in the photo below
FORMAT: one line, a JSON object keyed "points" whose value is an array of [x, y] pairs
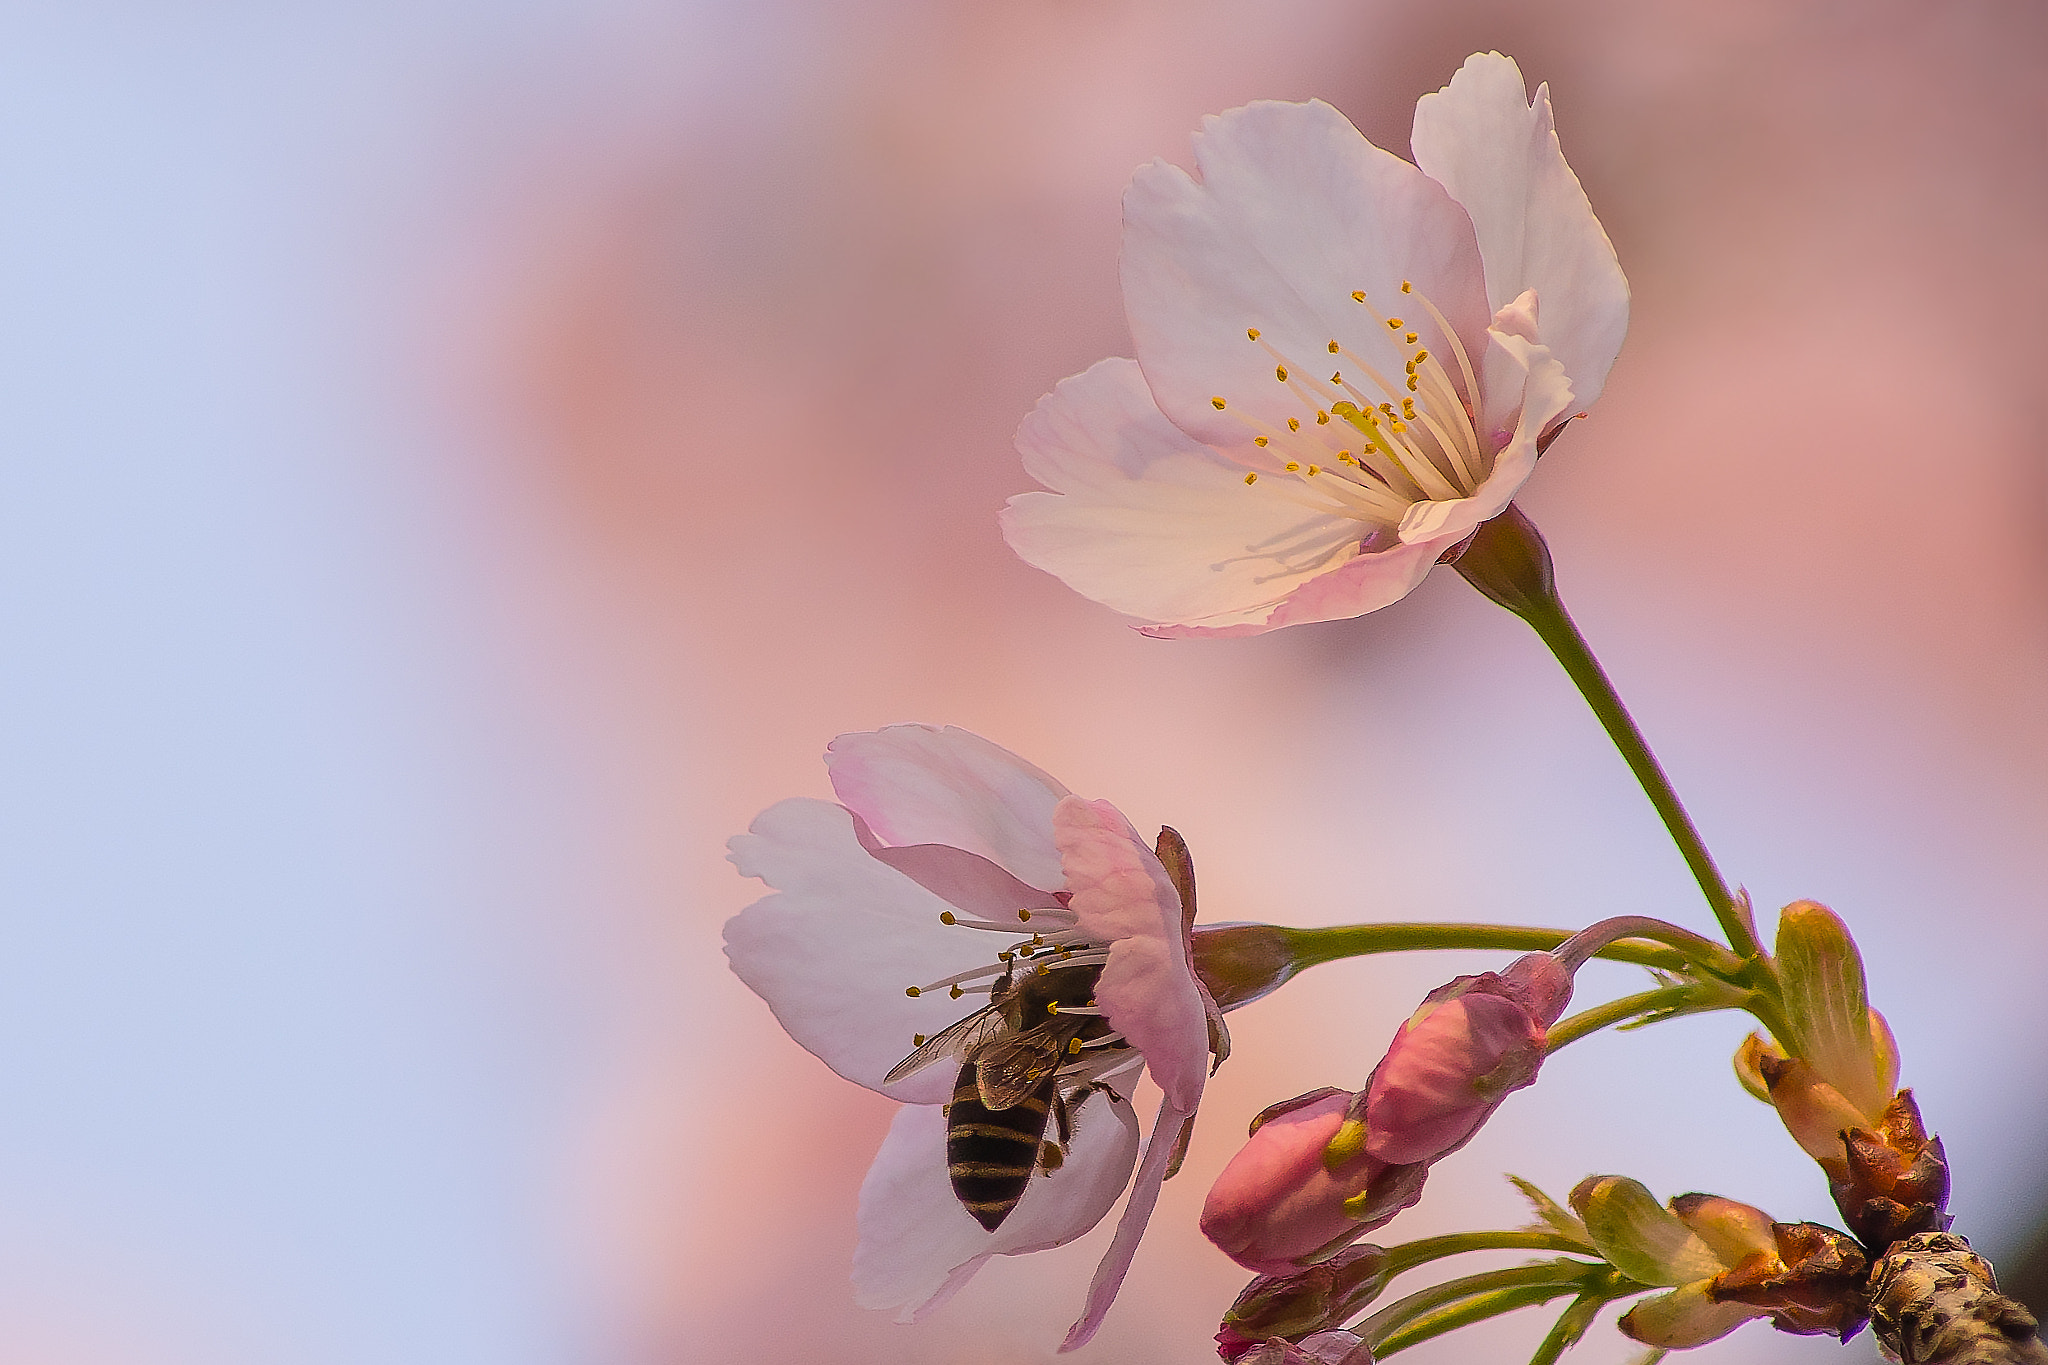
{"points": [[1345, 362]]}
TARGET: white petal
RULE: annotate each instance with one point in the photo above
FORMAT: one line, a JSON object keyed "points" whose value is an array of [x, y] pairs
{"points": [[1294, 211], [918, 1246], [1149, 523], [1363, 584], [920, 784], [833, 952], [1498, 155]]}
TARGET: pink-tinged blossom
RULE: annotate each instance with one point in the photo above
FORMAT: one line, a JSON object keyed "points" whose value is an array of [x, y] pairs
{"points": [[1345, 362], [1324, 1169], [868, 949]]}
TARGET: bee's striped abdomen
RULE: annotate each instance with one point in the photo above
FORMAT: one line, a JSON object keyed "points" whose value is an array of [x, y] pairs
{"points": [[991, 1153]]}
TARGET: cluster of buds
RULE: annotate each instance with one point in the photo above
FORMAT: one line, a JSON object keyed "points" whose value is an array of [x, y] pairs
{"points": [[1724, 1264], [1302, 1305], [1323, 1169], [1838, 1095]]}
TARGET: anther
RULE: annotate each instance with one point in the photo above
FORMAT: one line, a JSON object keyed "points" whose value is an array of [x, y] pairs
{"points": [[956, 992], [1412, 386], [1217, 403], [1337, 377], [1258, 440], [1294, 424], [912, 991], [1293, 468], [1358, 296], [1314, 470], [1252, 332], [1407, 288], [1251, 478], [1413, 337], [947, 917], [1280, 373], [1334, 347], [1024, 915], [1322, 418], [1073, 1047], [1421, 355], [917, 1040], [1052, 1007], [1396, 323]]}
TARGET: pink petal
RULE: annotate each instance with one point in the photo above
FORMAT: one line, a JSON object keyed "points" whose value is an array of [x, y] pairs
{"points": [[1116, 1262], [919, 784], [918, 1246], [1293, 212], [833, 952], [965, 880], [1496, 152], [1150, 523], [1123, 897]]}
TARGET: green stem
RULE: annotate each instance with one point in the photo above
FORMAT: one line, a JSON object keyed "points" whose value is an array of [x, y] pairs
{"points": [[1685, 998], [1508, 561], [1476, 1309], [1564, 1273], [1408, 1255], [1569, 1327], [1313, 946]]}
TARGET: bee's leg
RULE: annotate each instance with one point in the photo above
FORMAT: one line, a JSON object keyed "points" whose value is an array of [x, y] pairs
{"points": [[1052, 1154]]}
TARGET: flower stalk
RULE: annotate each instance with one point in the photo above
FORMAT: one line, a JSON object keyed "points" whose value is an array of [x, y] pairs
{"points": [[1509, 562]]}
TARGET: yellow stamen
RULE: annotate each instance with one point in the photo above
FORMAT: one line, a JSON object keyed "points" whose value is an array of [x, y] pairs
{"points": [[1293, 468], [1358, 296], [1334, 348], [1280, 373], [1396, 323], [1216, 403], [1294, 424], [1251, 478], [1252, 332], [1258, 440], [1407, 288]]}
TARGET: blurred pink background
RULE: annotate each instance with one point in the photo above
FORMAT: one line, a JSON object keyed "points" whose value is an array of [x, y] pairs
{"points": [[463, 460]]}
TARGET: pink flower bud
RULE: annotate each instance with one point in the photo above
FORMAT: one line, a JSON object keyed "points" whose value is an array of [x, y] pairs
{"points": [[1285, 1200], [1470, 1044]]}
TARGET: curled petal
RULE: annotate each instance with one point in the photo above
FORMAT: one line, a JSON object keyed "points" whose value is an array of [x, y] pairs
{"points": [[1116, 1262], [918, 1246], [1497, 153], [1123, 897], [921, 784]]}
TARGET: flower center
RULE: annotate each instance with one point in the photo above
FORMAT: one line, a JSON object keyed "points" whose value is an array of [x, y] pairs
{"points": [[1041, 987], [1365, 446]]}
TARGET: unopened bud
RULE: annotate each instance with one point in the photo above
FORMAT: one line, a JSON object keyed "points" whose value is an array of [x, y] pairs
{"points": [[1639, 1236], [1895, 1180], [1310, 1300], [1278, 1206], [1827, 1009], [1469, 1044]]}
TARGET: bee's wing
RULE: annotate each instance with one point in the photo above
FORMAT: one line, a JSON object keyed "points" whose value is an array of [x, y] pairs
{"points": [[1008, 1070], [956, 1042]]}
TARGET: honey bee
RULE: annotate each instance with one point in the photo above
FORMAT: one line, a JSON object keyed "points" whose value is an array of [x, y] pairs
{"points": [[1011, 1083]]}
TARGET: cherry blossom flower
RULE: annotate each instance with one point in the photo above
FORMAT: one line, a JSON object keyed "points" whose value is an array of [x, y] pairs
{"points": [[951, 875], [1345, 362]]}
